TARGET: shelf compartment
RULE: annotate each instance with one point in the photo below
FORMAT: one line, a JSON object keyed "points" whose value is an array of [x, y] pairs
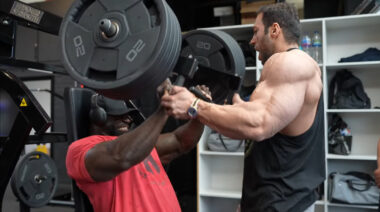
{"points": [[370, 80], [212, 204], [350, 35], [365, 131], [343, 166], [219, 172]]}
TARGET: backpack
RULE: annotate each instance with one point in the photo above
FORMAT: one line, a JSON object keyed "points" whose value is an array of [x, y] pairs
{"points": [[347, 92]]}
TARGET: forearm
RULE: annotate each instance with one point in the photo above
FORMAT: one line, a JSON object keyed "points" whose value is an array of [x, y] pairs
{"points": [[134, 146], [243, 121], [189, 134], [183, 139]]}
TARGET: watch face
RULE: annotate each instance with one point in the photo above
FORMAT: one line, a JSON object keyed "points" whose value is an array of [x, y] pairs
{"points": [[192, 112]]}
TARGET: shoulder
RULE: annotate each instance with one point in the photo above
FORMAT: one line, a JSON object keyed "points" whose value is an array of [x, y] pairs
{"points": [[84, 144], [290, 66]]}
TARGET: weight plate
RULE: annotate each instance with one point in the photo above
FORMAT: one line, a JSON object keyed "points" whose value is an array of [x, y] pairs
{"points": [[137, 58], [35, 179], [220, 60]]}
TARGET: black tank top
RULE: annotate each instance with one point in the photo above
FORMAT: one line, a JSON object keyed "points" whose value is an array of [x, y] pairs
{"points": [[282, 173]]}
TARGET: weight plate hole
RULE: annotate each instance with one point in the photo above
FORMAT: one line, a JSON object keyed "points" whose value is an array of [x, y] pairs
{"points": [[81, 10], [153, 12], [102, 76], [227, 59]]}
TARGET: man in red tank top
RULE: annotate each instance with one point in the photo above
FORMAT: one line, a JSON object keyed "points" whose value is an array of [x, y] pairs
{"points": [[121, 170]]}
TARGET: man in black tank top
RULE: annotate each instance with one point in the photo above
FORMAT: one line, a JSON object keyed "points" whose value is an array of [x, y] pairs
{"points": [[283, 119]]}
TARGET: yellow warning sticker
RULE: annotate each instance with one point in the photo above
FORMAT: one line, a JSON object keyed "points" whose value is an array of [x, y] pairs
{"points": [[23, 103]]}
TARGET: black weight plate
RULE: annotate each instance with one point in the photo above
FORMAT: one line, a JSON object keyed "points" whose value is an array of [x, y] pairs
{"points": [[79, 43], [139, 18], [238, 62], [35, 179], [118, 4], [148, 45], [160, 65], [221, 62], [90, 17]]}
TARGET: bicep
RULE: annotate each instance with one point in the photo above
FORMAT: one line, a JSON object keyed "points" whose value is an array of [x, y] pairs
{"points": [[101, 164]]}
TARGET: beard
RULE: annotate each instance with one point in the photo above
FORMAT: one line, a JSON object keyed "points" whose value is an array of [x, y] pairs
{"points": [[266, 51], [264, 57]]}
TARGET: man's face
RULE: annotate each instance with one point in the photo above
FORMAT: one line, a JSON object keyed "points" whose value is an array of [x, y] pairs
{"points": [[117, 125], [261, 41]]}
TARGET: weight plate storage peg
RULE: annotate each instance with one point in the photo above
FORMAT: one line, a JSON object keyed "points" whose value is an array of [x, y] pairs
{"points": [[35, 179], [221, 61], [120, 48]]}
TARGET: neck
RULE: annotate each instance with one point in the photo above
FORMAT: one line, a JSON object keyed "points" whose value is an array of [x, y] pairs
{"points": [[285, 47]]}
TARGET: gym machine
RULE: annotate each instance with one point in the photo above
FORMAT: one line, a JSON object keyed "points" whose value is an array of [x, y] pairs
{"points": [[119, 48]]}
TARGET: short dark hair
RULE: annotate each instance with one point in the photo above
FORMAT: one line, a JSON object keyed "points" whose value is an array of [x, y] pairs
{"points": [[286, 16]]}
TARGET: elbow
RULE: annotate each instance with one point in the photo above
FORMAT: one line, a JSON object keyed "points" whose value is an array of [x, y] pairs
{"points": [[257, 134], [125, 162], [260, 131]]}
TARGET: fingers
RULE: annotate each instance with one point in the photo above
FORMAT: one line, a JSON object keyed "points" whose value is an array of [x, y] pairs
{"points": [[177, 103], [164, 88], [205, 91]]}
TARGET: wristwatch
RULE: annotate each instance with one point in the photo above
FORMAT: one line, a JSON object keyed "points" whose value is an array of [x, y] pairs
{"points": [[192, 111]]}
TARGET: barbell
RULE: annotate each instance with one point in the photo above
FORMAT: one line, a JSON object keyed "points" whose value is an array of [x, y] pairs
{"points": [[123, 49]]}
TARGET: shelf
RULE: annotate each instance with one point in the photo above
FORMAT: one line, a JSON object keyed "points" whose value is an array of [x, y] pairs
{"points": [[353, 206], [221, 193], [354, 65], [351, 157], [320, 202], [231, 27], [352, 21], [250, 68], [353, 111], [213, 153]]}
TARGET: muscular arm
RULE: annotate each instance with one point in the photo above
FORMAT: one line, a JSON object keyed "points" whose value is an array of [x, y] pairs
{"points": [[275, 103], [108, 159], [182, 140]]}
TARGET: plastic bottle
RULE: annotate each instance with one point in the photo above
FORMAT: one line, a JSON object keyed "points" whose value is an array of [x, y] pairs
{"points": [[306, 44], [317, 47]]}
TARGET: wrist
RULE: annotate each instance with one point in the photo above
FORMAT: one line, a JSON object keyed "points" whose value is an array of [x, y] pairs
{"points": [[192, 111]]}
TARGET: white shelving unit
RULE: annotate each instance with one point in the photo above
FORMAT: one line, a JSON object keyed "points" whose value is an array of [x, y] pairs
{"points": [[220, 174]]}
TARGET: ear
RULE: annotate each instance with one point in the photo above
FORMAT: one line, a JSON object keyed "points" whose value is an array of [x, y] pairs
{"points": [[275, 30]]}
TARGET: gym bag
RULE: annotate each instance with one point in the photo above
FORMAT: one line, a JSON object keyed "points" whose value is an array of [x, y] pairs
{"points": [[347, 92], [221, 143], [353, 188]]}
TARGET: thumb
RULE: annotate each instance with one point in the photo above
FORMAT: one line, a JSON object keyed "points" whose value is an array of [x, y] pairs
{"points": [[236, 99], [175, 89]]}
